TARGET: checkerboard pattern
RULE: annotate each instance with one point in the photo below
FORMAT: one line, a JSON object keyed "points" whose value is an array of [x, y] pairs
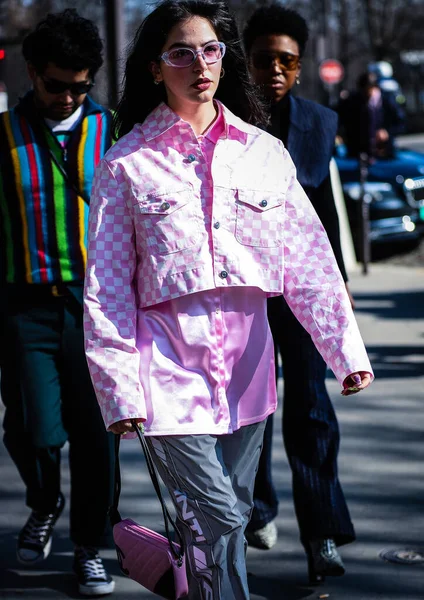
{"points": [[164, 224]]}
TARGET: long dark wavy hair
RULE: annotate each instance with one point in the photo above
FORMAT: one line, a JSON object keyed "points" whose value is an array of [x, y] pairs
{"points": [[140, 95]]}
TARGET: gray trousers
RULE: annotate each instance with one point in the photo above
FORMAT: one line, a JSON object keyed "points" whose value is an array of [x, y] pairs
{"points": [[210, 480]]}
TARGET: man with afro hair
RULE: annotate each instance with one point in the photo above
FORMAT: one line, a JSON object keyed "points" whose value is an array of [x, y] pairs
{"points": [[275, 39]]}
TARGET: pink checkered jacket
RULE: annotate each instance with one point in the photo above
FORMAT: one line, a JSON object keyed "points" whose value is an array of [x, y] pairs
{"points": [[147, 186], [152, 238]]}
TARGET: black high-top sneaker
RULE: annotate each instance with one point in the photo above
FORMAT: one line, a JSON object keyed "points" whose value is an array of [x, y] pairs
{"points": [[93, 579], [35, 538]]}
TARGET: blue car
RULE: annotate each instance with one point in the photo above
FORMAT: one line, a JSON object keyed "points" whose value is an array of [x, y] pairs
{"points": [[394, 189]]}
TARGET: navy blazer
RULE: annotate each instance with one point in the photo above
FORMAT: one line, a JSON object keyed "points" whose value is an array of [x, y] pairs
{"points": [[312, 131], [311, 134]]}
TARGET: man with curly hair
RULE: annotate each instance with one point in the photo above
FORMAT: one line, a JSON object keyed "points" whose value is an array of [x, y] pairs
{"points": [[50, 144]]}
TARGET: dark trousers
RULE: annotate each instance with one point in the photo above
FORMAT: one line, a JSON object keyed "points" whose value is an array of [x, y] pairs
{"points": [[311, 438], [49, 400]]}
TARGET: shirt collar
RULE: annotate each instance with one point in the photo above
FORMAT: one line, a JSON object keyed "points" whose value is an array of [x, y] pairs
{"points": [[163, 118]]}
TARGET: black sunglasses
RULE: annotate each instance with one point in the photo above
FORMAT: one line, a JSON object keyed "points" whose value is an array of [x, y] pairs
{"points": [[54, 86], [264, 60]]}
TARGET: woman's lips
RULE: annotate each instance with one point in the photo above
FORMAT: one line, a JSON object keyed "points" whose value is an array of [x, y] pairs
{"points": [[202, 84]]}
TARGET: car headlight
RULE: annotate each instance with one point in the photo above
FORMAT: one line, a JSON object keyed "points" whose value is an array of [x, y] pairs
{"points": [[407, 223]]}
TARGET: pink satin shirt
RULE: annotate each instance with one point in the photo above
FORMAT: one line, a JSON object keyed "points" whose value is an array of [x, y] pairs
{"points": [[183, 253]]}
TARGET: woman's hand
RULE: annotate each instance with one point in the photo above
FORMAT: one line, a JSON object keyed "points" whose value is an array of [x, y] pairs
{"points": [[356, 382], [122, 427]]}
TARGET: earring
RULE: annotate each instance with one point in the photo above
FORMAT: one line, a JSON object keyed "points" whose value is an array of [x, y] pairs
{"points": [[221, 75], [156, 82], [297, 79]]}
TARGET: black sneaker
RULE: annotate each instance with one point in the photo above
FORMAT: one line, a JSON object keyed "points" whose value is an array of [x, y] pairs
{"points": [[35, 538], [93, 579]]}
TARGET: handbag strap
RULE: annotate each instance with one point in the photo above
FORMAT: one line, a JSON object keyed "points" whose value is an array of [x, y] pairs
{"points": [[66, 177], [114, 514]]}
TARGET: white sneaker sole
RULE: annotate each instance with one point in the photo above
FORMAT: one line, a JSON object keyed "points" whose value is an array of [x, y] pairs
{"points": [[96, 590], [44, 554]]}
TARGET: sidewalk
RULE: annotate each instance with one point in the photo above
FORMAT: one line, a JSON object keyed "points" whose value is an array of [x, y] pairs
{"points": [[381, 468]]}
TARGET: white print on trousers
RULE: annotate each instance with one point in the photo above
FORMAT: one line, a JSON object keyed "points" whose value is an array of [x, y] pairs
{"points": [[188, 516]]}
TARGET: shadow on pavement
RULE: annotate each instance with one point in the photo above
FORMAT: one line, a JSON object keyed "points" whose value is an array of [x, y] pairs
{"points": [[52, 579], [277, 589], [396, 361], [407, 305]]}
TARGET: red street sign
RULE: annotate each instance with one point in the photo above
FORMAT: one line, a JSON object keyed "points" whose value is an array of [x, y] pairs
{"points": [[331, 71]]}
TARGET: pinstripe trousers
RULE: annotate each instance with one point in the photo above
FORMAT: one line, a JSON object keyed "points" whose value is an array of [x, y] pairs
{"points": [[311, 438], [210, 480]]}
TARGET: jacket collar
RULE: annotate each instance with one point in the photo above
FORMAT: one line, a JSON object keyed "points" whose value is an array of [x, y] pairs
{"points": [[163, 118]]}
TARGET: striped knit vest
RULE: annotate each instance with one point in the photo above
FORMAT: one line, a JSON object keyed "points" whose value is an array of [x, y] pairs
{"points": [[43, 220]]}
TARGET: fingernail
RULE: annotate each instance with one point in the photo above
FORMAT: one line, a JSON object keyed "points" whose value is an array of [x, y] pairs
{"points": [[357, 379]]}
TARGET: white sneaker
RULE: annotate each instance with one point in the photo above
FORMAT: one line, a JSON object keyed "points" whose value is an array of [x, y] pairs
{"points": [[264, 538]]}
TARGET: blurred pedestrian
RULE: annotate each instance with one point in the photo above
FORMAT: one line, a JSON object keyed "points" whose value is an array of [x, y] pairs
{"points": [[370, 119], [275, 38], [196, 219], [50, 144]]}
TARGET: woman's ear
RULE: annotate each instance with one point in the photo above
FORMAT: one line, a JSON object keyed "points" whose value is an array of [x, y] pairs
{"points": [[299, 68], [156, 72], [298, 72]]}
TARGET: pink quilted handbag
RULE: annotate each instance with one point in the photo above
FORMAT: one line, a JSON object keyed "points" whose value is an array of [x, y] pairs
{"points": [[151, 559]]}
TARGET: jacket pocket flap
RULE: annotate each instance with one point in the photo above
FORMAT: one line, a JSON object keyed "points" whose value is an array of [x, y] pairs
{"points": [[260, 200], [163, 203]]}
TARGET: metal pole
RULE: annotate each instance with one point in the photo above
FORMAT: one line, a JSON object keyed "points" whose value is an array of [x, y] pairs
{"points": [[115, 32], [364, 217]]}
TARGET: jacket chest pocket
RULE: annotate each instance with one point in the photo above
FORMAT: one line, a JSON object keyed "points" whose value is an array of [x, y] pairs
{"points": [[259, 218], [167, 222]]}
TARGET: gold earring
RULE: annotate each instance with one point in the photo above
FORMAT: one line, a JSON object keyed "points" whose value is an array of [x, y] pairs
{"points": [[221, 75]]}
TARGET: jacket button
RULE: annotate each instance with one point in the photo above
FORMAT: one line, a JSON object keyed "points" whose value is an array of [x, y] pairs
{"points": [[263, 203], [165, 206], [191, 158], [223, 274], [217, 225]]}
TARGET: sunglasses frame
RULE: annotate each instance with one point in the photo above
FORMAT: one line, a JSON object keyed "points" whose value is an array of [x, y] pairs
{"points": [[64, 86], [166, 60], [273, 57]]}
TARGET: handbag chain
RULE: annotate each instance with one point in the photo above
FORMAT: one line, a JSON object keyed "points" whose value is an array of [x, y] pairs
{"points": [[114, 514]]}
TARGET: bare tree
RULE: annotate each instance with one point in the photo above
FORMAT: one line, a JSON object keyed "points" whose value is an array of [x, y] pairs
{"points": [[390, 25]]}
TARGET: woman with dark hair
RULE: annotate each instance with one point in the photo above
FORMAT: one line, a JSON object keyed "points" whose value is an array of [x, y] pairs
{"points": [[196, 219], [141, 93], [275, 39]]}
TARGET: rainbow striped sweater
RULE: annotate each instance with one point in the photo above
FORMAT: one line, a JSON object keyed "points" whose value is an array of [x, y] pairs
{"points": [[43, 220]]}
